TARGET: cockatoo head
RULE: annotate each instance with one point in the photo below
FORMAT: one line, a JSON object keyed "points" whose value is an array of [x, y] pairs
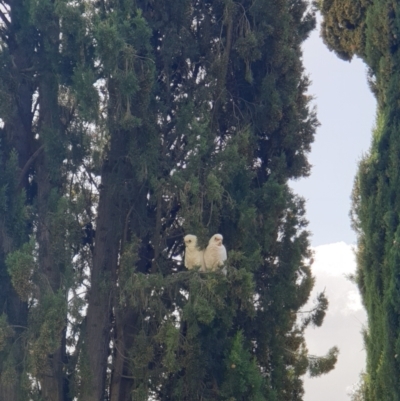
{"points": [[190, 241], [216, 239]]}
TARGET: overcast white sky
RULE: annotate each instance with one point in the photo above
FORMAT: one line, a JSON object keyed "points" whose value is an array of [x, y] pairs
{"points": [[342, 325], [346, 110]]}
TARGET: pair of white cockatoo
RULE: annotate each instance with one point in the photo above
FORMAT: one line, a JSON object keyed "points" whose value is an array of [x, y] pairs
{"points": [[209, 259]]}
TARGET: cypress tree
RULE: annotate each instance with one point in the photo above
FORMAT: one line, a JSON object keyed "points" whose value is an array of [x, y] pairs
{"points": [[375, 196], [147, 121], [16, 92], [42, 151]]}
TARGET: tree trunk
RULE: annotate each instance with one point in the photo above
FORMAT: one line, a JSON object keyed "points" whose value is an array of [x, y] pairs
{"points": [[109, 228], [121, 379], [49, 182]]}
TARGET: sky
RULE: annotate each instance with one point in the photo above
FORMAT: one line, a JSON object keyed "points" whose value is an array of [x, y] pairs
{"points": [[342, 325], [346, 110]]}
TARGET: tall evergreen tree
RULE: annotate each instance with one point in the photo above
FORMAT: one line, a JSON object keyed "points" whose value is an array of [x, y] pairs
{"points": [[145, 121], [42, 150], [375, 196], [16, 90]]}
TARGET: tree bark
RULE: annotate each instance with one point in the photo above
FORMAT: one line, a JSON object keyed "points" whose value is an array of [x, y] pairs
{"points": [[121, 379], [49, 179], [109, 229]]}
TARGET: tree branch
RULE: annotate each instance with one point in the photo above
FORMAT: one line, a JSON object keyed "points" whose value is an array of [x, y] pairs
{"points": [[28, 164]]}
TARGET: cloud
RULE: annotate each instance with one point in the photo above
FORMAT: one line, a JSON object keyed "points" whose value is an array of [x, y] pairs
{"points": [[342, 325], [335, 259], [333, 263]]}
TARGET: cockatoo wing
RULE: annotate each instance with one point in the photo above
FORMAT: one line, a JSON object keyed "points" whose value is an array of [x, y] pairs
{"points": [[209, 257], [223, 254]]}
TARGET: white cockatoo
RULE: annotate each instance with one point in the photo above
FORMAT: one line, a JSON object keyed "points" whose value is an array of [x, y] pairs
{"points": [[215, 253], [194, 256]]}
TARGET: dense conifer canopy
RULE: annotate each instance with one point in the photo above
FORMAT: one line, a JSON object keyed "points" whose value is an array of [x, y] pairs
{"points": [[126, 125], [370, 30]]}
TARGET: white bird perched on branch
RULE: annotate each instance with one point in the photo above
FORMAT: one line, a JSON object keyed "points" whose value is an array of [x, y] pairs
{"points": [[215, 253], [194, 256]]}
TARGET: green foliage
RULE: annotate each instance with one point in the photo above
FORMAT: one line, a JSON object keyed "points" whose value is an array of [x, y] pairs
{"points": [[47, 321], [361, 390], [375, 205], [322, 365], [317, 314], [87, 96], [343, 27], [243, 379], [368, 29], [169, 336], [21, 267], [375, 211], [154, 120], [5, 332]]}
